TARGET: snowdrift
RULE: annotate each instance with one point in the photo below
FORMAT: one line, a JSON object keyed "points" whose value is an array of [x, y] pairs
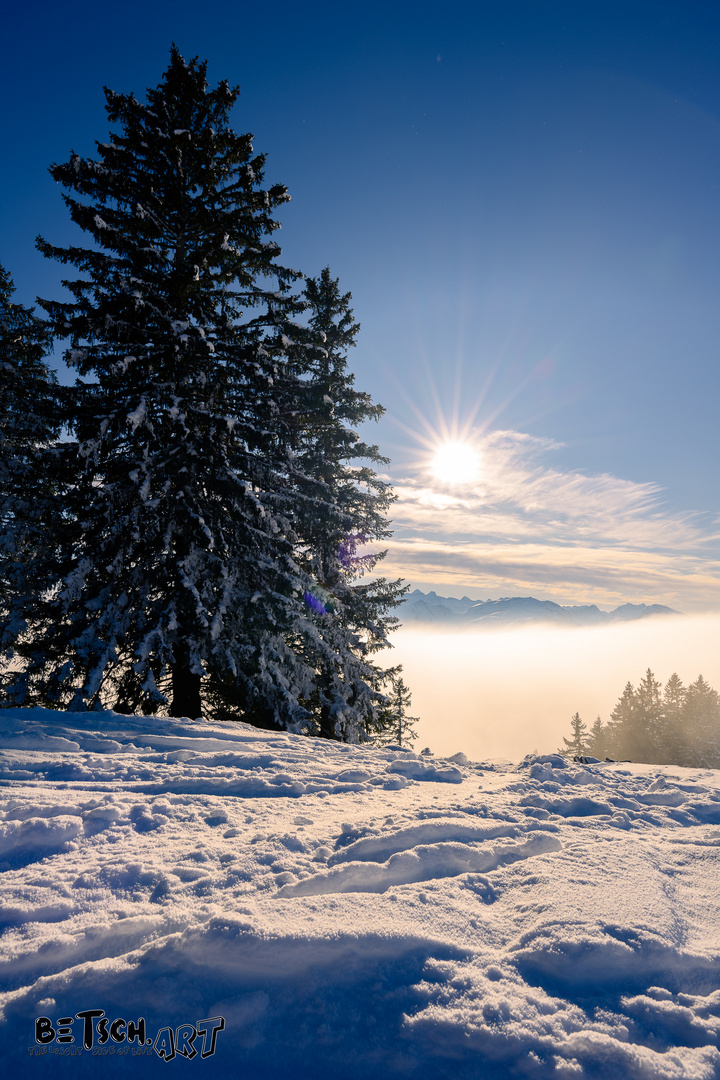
{"points": [[347, 911]]}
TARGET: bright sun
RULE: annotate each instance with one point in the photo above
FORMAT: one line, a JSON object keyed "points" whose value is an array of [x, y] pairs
{"points": [[456, 463]]}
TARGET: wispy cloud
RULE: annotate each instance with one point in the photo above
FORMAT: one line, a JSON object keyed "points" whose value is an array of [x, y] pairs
{"points": [[526, 527]]}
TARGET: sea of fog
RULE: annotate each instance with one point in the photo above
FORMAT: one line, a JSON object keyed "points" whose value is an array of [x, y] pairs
{"points": [[507, 693]]}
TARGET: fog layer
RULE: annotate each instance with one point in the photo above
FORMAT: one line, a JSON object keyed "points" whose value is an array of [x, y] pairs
{"points": [[512, 692]]}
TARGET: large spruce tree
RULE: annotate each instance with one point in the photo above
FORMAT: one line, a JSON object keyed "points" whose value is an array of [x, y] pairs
{"points": [[203, 530], [28, 426], [346, 508]]}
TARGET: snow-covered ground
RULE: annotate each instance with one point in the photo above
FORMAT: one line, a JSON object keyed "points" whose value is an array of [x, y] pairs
{"points": [[349, 912]]}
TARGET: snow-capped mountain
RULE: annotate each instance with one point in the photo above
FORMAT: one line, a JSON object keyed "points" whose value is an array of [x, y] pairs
{"points": [[420, 607]]}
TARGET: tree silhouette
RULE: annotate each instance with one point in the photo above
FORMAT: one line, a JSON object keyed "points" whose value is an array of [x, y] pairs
{"points": [[206, 555], [678, 727], [578, 744]]}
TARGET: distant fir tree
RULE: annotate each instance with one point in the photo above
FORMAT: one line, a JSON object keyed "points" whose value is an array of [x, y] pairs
{"points": [[681, 726], [597, 740], [189, 569], [636, 722], [28, 426], [621, 728], [578, 744], [671, 738], [647, 729], [701, 725], [395, 726]]}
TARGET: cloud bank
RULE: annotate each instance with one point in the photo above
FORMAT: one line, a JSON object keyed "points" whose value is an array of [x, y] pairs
{"points": [[513, 692]]}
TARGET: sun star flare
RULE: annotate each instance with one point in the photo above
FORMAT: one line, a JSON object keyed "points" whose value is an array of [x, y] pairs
{"points": [[456, 463]]}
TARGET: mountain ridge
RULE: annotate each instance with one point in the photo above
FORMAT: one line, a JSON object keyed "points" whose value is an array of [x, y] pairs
{"points": [[429, 608]]}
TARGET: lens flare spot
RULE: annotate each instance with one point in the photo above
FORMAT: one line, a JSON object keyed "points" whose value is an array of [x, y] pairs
{"points": [[456, 463]]}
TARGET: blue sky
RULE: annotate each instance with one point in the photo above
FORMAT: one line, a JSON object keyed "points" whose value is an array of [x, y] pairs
{"points": [[523, 200]]}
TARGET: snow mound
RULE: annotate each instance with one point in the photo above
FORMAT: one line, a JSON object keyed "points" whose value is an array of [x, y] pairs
{"points": [[350, 911]]}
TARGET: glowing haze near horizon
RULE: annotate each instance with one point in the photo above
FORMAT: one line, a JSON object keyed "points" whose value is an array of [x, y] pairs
{"points": [[508, 693]]}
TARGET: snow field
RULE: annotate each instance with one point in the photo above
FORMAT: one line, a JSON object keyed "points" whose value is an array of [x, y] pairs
{"points": [[354, 912]]}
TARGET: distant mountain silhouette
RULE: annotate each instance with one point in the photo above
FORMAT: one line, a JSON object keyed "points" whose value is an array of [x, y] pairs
{"points": [[420, 607]]}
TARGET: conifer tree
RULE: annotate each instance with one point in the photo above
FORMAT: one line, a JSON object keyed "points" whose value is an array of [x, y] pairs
{"points": [[343, 508], [578, 744], [673, 749], [701, 725], [28, 424], [597, 739], [188, 569], [681, 727], [395, 726], [647, 720], [636, 722], [621, 728]]}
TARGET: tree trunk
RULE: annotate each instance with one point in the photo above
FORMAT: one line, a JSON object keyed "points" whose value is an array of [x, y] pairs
{"points": [[185, 688]]}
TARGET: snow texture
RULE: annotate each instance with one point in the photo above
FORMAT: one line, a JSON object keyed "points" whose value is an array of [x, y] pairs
{"points": [[353, 912]]}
